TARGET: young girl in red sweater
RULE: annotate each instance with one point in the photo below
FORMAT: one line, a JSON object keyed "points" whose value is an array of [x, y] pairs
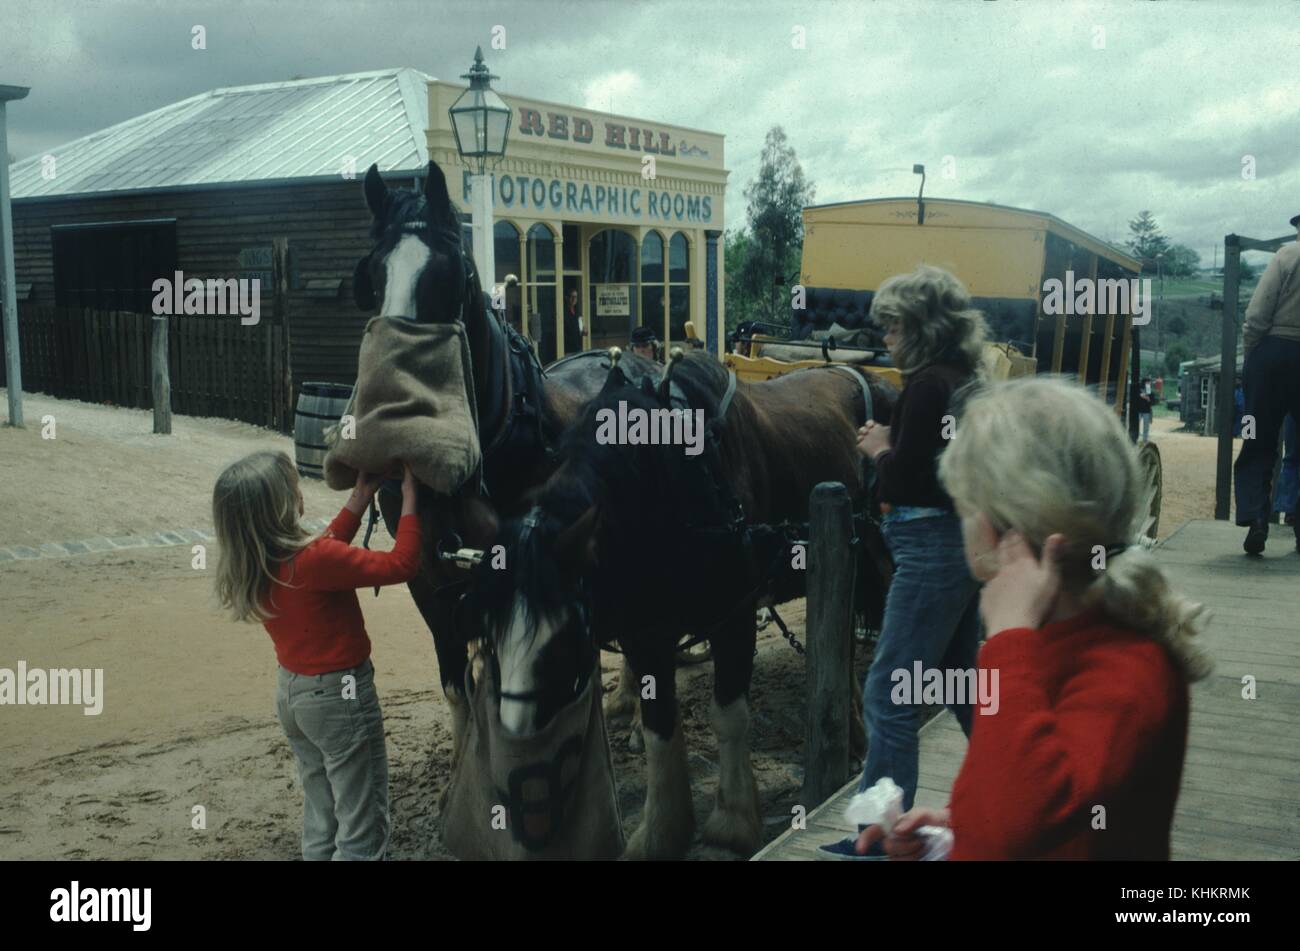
{"points": [[1083, 756], [303, 590]]}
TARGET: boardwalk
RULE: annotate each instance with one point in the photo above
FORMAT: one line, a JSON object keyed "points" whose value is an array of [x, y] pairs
{"points": [[1240, 797]]}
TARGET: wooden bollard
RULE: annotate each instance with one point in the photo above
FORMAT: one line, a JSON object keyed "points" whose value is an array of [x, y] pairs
{"points": [[830, 642], [162, 384]]}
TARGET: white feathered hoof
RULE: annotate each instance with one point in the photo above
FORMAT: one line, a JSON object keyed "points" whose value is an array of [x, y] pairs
{"points": [[668, 822], [735, 826], [619, 703]]}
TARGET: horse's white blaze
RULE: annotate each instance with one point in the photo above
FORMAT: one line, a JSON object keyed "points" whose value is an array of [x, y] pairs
{"points": [[402, 270], [517, 655]]}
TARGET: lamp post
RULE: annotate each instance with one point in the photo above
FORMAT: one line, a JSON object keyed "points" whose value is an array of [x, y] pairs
{"points": [[13, 365], [480, 120], [919, 169]]}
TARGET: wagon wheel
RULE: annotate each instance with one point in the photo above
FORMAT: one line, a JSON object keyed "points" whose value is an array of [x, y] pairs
{"points": [[1149, 461]]}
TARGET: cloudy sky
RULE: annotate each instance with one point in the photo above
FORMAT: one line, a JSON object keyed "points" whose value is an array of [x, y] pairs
{"points": [[1089, 110]]}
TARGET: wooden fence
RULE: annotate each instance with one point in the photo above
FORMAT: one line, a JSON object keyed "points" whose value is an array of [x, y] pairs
{"points": [[219, 367]]}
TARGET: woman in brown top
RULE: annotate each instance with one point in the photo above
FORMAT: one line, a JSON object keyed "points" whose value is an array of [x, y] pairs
{"points": [[931, 618]]}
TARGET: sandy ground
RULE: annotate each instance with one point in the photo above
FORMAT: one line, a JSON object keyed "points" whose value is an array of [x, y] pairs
{"points": [[1188, 462], [188, 715]]}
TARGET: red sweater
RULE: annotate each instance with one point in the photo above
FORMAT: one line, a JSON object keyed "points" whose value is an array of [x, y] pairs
{"points": [[318, 626], [1091, 715]]}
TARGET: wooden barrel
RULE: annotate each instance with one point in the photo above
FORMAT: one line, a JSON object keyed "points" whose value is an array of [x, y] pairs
{"points": [[319, 406]]}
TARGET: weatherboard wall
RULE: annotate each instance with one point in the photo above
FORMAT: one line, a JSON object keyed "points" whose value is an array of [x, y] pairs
{"points": [[325, 225]]}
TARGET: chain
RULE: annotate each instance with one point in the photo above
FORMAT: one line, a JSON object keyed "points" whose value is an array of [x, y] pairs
{"points": [[789, 635]]}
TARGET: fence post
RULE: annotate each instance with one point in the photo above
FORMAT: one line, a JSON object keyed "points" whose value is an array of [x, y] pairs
{"points": [[162, 382], [830, 641]]}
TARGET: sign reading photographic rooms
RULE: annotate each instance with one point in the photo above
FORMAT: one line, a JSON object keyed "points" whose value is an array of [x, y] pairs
{"points": [[569, 199]]}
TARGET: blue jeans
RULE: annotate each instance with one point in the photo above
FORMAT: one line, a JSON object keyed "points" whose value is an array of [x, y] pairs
{"points": [[931, 615], [1272, 379], [1288, 479]]}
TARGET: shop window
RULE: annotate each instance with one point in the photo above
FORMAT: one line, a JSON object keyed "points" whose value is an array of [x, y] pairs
{"points": [[505, 240], [572, 248], [506, 250], [540, 293], [679, 286], [652, 283], [679, 270]]}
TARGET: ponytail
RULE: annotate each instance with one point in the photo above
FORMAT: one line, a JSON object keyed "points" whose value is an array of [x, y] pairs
{"points": [[1132, 589]]}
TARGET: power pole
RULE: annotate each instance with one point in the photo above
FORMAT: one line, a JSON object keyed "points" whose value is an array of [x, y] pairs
{"points": [[13, 363]]}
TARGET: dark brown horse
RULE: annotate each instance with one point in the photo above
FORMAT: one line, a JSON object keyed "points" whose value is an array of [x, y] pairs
{"points": [[646, 542], [419, 271]]}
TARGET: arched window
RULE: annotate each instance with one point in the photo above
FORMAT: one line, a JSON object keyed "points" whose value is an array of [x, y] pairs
{"points": [[505, 240], [652, 283], [679, 286], [612, 299]]}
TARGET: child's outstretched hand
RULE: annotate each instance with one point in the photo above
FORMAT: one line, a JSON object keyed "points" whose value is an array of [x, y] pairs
{"points": [[873, 439], [1024, 590], [410, 491], [363, 492]]}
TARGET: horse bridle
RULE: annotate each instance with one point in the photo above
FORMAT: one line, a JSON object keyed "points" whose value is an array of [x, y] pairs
{"points": [[530, 522]]}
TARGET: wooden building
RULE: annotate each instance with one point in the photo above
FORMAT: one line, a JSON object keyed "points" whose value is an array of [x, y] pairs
{"points": [[256, 181], [1198, 388], [264, 182]]}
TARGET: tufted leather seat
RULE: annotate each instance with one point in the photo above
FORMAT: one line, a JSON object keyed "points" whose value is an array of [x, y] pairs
{"points": [[832, 305], [1008, 320]]}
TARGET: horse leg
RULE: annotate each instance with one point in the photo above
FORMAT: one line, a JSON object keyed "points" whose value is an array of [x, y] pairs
{"points": [[448, 644], [668, 821], [735, 823], [622, 700], [452, 653]]}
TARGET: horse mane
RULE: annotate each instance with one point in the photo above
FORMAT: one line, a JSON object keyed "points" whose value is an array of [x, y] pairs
{"points": [[405, 205]]}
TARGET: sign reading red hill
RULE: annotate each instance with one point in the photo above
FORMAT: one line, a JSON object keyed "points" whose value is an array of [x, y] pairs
{"points": [[576, 128]]}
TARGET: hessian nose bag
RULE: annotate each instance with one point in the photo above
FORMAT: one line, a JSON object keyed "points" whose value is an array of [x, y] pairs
{"points": [[548, 795], [412, 404]]}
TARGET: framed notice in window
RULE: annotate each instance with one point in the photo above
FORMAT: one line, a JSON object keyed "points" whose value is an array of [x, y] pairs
{"points": [[613, 300]]}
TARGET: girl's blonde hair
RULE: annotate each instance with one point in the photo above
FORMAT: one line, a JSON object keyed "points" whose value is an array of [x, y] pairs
{"points": [[938, 324], [1043, 456], [255, 510]]}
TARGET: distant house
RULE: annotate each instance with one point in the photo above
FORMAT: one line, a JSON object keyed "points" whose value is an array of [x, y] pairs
{"points": [[209, 185], [1199, 387]]}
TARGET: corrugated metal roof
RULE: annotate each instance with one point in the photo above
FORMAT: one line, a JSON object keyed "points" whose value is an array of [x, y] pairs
{"points": [[296, 129]]}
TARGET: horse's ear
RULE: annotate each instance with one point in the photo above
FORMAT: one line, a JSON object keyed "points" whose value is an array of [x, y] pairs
{"points": [[575, 546], [616, 379], [363, 291], [437, 195], [376, 191]]}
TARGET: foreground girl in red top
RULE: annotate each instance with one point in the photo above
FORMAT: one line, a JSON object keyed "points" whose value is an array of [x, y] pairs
{"points": [[303, 590], [1082, 755]]}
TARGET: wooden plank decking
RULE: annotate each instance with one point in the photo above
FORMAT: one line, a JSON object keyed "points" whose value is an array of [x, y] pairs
{"points": [[1240, 795]]}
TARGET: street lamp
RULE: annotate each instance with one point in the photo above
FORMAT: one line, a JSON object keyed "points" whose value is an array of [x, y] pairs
{"points": [[13, 367], [480, 120]]}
